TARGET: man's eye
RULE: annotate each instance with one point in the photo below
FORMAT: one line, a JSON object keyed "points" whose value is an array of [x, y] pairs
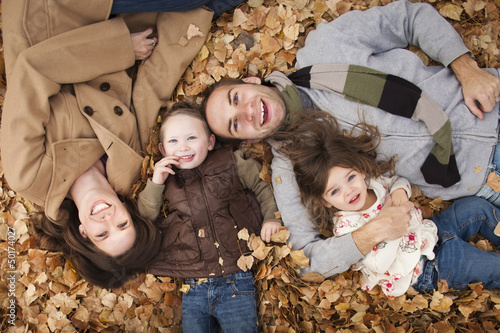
{"points": [[235, 99], [235, 125]]}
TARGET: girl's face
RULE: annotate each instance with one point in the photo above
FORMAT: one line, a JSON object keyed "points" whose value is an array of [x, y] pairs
{"points": [[186, 138], [346, 189]]}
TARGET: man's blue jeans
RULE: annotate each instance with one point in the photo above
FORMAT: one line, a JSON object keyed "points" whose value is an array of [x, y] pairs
{"points": [[138, 6], [457, 261], [230, 302], [486, 191]]}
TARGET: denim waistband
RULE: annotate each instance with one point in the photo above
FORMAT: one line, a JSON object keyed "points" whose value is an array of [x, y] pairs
{"points": [[228, 278]]}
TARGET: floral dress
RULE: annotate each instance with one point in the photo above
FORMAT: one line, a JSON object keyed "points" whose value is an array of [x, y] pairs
{"points": [[395, 264]]}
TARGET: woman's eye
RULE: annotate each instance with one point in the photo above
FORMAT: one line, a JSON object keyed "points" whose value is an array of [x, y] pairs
{"points": [[122, 225], [102, 234]]}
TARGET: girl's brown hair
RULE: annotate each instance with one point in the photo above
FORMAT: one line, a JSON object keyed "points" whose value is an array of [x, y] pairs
{"points": [[91, 263], [314, 143]]}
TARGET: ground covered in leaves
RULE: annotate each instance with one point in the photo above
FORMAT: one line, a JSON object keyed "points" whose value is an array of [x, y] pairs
{"points": [[41, 292]]}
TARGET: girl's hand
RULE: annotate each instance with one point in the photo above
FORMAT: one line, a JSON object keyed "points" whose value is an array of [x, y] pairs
{"points": [[269, 228], [163, 168], [399, 197], [142, 45]]}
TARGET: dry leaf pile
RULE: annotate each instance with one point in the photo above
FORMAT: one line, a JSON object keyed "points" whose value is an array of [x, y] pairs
{"points": [[41, 292]]}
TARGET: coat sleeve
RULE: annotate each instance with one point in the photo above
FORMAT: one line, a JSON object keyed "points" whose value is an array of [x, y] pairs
{"points": [[328, 256], [248, 172], [382, 28], [76, 56]]}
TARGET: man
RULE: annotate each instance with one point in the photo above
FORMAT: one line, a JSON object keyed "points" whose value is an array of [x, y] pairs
{"points": [[374, 38]]}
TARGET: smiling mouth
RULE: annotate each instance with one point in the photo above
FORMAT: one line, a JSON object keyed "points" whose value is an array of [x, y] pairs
{"points": [[354, 199], [187, 157], [263, 113], [99, 208]]}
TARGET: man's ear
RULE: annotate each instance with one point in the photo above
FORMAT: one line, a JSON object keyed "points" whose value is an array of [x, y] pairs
{"points": [[252, 79], [211, 142], [162, 149], [82, 231]]}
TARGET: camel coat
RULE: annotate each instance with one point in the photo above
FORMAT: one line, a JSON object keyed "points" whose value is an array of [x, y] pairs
{"points": [[70, 99]]}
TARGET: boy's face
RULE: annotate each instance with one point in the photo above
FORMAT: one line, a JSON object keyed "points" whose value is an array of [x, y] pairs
{"points": [[185, 137]]}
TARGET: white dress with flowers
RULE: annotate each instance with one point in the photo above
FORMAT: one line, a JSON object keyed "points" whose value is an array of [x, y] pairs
{"points": [[391, 264]]}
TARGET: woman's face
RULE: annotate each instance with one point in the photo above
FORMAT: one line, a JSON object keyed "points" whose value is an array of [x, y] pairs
{"points": [[106, 222]]}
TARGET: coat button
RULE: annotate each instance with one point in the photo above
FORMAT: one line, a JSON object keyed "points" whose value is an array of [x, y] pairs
{"points": [[88, 110], [104, 86], [118, 110]]}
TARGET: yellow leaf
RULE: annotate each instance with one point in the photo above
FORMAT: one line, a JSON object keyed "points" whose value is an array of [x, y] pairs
{"points": [[281, 236], [451, 11], [300, 258], [493, 181], [243, 234]]}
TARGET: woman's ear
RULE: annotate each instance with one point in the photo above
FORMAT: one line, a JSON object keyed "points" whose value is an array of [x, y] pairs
{"points": [[252, 79], [82, 231], [211, 142]]}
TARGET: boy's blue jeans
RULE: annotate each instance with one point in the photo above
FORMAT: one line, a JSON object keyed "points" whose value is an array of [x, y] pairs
{"points": [[457, 261], [230, 302]]}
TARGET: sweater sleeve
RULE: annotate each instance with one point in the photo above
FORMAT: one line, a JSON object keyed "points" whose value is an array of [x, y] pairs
{"points": [[248, 172], [383, 28], [150, 200], [328, 256]]}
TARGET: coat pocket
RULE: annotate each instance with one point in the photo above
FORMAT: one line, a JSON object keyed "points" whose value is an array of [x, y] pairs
{"points": [[180, 243]]}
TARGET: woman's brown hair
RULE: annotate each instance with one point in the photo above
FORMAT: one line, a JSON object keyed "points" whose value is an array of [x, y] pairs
{"points": [[314, 143], [91, 263]]}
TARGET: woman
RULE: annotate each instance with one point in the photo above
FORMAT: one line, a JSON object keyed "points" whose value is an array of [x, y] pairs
{"points": [[76, 115]]}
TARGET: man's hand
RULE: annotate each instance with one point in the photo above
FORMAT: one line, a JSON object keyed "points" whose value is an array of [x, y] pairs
{"points": [[269, 228], [391, 223], [481, 89], [163, 168]]}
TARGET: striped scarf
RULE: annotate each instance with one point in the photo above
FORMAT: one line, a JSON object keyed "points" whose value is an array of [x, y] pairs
{"points": [[386, 92]]}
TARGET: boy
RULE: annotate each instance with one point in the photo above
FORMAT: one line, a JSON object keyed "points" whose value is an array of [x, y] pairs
{"points": [[208, 205]]}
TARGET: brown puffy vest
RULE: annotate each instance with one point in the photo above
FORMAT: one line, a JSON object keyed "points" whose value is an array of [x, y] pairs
{"points": [[208, 207]]}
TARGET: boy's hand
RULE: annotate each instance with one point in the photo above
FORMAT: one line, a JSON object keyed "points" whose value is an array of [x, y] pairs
{"points": [[163, 168], [399, 197], [269, 228]]}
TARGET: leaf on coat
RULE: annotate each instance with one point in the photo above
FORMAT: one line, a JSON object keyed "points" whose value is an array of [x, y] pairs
{"points": [[493, 181], [193, 31], [245, 262], [243, 234]]}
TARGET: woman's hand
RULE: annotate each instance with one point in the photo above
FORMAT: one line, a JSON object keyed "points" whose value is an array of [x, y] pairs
{"points": [[142, 45], [163, 168]]}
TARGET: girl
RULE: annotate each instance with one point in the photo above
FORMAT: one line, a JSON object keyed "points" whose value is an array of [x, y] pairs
{"points": [[342, 185]]}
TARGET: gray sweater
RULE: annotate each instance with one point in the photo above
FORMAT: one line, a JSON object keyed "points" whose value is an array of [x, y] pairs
{"points": [[376, 38]]}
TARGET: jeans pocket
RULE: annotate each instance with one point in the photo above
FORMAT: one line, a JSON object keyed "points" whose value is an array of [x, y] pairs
{"points": [[243, 286]]}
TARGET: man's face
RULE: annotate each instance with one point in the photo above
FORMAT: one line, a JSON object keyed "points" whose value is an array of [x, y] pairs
{"points": [[245, 111]]}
